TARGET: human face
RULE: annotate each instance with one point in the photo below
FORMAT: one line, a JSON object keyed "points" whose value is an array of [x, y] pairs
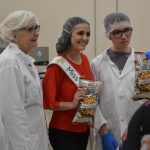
{"points": [[80, 37], [120, 35], [27, 37]]}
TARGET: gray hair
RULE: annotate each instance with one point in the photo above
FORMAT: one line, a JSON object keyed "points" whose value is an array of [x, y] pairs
{"points": [[63, 43], [113, 18], [14, 21]]}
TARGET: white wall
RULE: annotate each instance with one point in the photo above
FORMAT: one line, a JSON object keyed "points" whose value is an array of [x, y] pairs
{"points": [[53, 13], [139, 13]]}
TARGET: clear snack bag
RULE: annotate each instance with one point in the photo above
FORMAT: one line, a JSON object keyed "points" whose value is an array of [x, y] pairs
{"points": [[87, 106], [142, 76]]}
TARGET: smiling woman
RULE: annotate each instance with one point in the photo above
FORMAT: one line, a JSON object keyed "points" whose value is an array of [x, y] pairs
{"points": [[61, 92], [22, 109]]}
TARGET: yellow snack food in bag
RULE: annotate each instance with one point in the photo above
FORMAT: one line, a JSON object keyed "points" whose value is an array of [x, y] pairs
{"points": [[87, 106], [142, 77]]}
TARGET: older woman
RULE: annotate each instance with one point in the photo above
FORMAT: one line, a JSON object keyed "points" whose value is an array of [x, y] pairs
{"points": [[22, 122]]}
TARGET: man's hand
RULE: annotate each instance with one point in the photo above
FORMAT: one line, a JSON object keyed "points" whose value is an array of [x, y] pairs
{"points": [[109, 142]]}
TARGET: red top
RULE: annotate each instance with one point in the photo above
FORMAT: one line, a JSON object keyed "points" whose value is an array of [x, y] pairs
{"points": [[58, 87]]}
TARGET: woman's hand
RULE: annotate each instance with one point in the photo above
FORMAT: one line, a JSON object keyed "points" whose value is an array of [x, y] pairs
{"points": [[79, 95]]}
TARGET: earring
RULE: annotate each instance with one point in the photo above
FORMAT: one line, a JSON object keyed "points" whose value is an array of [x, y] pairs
{"points": [[15, 38]]}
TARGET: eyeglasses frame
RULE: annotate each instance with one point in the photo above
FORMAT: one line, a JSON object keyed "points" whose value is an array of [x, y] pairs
{"points": [[122, 32], [31, 29]]}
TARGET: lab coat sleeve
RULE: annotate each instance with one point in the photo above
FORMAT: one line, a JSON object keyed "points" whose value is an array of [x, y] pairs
{"points": [[95, 67], [13, 109], [99, 119]]}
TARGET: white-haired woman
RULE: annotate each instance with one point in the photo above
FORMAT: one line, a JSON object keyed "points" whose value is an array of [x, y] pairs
{"points": [[22, 122]]}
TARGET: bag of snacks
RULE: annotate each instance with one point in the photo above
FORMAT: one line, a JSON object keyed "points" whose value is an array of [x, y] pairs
{"points": [[142, 76], [87, 106]]}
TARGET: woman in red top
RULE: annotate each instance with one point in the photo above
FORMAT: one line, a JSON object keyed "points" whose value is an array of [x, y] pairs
{"points": [[60, 93]]}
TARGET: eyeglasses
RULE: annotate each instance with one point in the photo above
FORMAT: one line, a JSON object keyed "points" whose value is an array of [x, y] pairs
{"points": [[118, 33], [32, 29]]}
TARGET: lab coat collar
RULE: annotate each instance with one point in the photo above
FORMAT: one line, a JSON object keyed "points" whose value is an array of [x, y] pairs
{"points": [[127, 68], [130, 64], [25, 57]]}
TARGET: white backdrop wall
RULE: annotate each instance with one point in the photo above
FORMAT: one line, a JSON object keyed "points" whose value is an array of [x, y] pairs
{"points": [[53, 13]]}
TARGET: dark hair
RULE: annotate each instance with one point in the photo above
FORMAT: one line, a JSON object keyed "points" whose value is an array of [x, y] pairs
{"points": [[139, 126], [63, 44]]}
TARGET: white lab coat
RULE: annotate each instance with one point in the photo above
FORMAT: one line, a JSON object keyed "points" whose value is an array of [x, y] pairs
{"points": [[22, 119], [115, 102]]}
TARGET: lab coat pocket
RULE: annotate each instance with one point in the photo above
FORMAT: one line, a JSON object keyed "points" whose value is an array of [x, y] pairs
{"points": [[32, 92]]}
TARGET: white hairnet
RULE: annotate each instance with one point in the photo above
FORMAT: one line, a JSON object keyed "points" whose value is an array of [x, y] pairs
{"points": [[63, 43], [14, 21], [114, 18]]}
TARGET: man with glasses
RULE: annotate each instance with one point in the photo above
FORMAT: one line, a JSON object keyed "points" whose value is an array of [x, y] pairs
{"points": [[115, 68]]}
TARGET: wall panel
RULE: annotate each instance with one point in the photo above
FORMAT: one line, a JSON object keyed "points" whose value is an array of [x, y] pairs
{"points": [[52, 14]]}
